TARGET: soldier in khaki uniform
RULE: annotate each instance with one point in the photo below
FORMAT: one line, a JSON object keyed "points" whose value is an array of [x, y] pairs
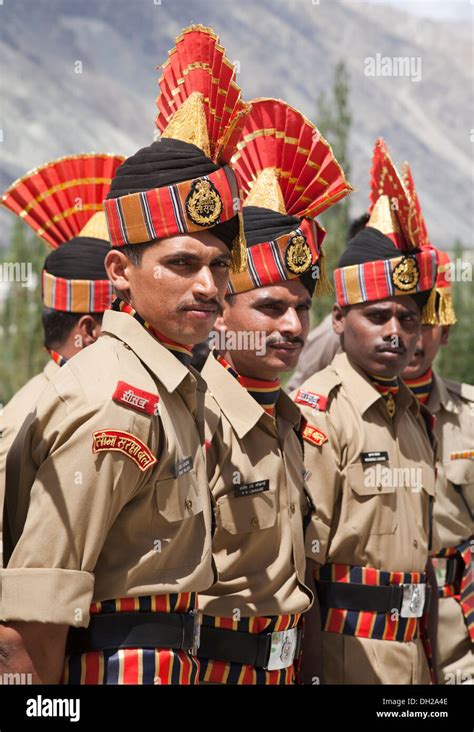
{"points": [[251, 627], [76, 290], [452, 405], [108, 521], [370, 455], [322, 343]]}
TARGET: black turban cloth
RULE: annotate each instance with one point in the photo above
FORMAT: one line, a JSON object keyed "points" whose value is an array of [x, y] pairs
{"points": [[370, 245], [81, 258], [263, 224], [165, 163]]}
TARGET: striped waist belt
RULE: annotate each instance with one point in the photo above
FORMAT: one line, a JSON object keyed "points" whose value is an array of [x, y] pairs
{"points": [[455, 577], [269, 651], [253, 650], [449, 570], [371, 603], [177, 631], [136, 640]]}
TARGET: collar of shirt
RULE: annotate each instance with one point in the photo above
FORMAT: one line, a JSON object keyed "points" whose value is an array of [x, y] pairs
{"points": [[159, 359], [364, 393], [421, 386], [50, 369], [441, 397], [56, 357], [241, 409], [266, 393], [181, 351]]}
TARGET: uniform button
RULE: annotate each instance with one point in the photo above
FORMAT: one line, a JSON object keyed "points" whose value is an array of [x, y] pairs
{"points": [[292, 507], [379, 487], [415, 543], [189, 503], [254, 522]]}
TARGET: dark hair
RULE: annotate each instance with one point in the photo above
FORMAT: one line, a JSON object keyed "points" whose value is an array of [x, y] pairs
{"points": [[134, 252], [57, 325], [357, 225]]}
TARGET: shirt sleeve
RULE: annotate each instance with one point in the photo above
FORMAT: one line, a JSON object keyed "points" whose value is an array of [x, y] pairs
{"points": [[62, 498], [323, 481]]}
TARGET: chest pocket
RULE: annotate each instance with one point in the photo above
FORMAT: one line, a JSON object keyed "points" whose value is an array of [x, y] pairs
{"points": [[461, 474], [178, 498], [246, 514], [371, 503], [246, 539]]}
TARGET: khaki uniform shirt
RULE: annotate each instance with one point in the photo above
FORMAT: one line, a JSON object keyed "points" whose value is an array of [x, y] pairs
{"points": [[102, 516], [12, 417], [453, 407], [370, 510], [255, 470], [372, 482]]}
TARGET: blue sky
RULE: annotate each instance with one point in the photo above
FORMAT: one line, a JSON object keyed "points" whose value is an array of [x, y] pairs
{"points": [[436, 9]]}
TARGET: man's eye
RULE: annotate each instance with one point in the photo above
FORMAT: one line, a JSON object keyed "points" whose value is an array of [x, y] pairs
{"points": [[304, 307], [182, 263], [222, 265]]}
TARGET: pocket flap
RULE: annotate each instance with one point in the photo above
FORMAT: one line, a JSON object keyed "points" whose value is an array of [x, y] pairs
{"points": [[370, 480], [178, 498], [459, 472], [247, 513]]}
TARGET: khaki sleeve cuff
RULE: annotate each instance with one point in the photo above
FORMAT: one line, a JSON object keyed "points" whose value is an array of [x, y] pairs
{"points": [[60, 596]]}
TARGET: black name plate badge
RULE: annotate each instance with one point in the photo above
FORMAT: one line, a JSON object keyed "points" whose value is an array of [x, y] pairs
{"points": [[183, 466], [376, 456], [249, 489]]}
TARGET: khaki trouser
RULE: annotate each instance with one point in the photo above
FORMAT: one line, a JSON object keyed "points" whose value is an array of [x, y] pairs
{"points": [[351, 660]]}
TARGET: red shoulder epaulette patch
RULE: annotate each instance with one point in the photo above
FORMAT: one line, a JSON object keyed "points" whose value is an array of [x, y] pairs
{"points": [[137, 399], [311, 399], [313, 435], [126, 443]]}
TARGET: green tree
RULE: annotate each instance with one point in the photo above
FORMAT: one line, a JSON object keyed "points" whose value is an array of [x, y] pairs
{"points": [[333, 118], [21, 333], [455, 361]]}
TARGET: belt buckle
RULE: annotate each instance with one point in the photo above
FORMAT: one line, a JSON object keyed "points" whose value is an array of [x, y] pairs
{"points": [[196, 632], [413, 600], [440, 565], [283, 649]]}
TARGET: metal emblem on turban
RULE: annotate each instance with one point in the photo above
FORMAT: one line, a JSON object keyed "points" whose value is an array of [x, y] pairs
{"points": [[298, 255], [203, 203], [406, 274]]}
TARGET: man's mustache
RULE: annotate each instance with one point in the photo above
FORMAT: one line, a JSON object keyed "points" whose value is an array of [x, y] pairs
{"points": [[393, 347], [200, 304], [274, 340]]}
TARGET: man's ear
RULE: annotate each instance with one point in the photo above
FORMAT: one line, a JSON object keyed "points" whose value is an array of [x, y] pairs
{"points": [[89, 330], [118, 266], [445, 331], [338, 319]]}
